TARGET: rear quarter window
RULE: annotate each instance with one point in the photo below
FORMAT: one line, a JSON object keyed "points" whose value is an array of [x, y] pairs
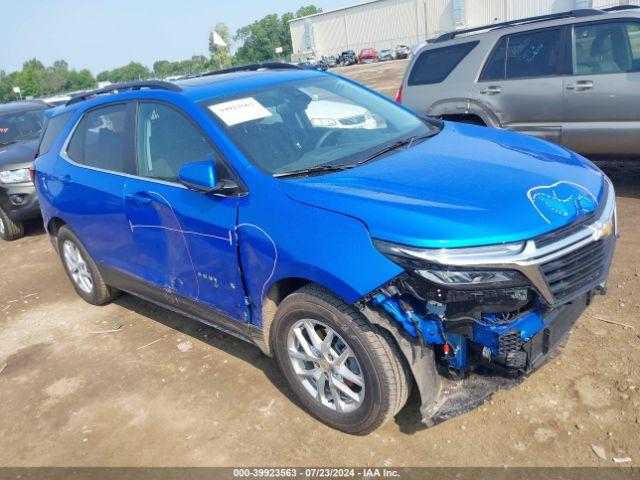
{"points": [[53, 127], [435, 65]]}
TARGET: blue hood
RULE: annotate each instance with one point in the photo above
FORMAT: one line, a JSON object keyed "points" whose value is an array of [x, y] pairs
{"points": [[467, 186]]}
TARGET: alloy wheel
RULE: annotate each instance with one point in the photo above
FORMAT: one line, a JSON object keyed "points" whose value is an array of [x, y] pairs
{"points": [[77, 266], [326, 365], [3, 229]]}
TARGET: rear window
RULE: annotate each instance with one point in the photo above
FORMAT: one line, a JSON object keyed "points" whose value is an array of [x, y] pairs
{"points": [[433, 66], [52, 129], [525, 55], [100, 139]]}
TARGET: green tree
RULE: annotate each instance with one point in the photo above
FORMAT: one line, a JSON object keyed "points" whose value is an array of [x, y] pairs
{"points": [[163, 68], [220, 54], [307, 10], [130, 72], [261, 38]]}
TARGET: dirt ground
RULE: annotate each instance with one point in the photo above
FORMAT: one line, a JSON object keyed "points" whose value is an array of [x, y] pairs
{"points": [[111, 386]]}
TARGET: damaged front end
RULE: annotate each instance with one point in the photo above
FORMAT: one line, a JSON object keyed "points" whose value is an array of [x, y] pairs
{"points": [[473, 320]]}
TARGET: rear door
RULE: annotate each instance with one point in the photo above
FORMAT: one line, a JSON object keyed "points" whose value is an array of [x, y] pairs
{"points": [[88, 187], [601, 100], [521, 82], [184, 241]]}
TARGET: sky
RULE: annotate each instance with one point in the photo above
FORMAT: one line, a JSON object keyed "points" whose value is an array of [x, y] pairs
{"points": [[103, 34]]}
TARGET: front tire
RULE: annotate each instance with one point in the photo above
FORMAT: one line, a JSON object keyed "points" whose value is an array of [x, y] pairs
{"points": [[9, 229], [346, 372], [82, 270]]}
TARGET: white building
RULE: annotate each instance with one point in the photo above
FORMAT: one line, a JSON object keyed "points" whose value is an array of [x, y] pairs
{"points": [[386, 23]]}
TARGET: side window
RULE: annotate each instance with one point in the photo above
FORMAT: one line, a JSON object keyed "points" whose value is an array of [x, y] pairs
{"points": [[166, 140], [534, 54], [606, 47], [52, 129], [495, 67], [433, 66], [100, 139]]}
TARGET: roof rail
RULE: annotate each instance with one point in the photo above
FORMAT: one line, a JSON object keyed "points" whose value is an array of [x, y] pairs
{"points": [[252, 67], [583, 12], [620, 7], [123, 87]]}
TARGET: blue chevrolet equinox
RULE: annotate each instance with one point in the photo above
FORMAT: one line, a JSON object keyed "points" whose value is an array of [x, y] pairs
{"points": [[365, 247]]}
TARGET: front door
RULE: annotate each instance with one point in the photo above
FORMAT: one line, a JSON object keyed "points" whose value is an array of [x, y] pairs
{"points": [[184, 241], [522, 85], [601, 100]]}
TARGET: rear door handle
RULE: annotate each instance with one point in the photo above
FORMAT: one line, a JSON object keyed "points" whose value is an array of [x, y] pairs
{"points": [[491, 90], [581, 85], [66, 180], [139, 198]]}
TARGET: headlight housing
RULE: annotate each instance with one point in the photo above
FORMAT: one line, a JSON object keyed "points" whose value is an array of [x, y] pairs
{"points": [[431, 264], [323, 122], [20, 175]]}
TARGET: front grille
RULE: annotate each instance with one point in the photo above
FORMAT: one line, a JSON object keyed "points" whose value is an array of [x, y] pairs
{"points": [[564, 232], [355, 120], [571, 274]]}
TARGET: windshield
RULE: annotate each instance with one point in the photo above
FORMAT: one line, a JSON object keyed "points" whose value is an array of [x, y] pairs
{"points": [[20, 126], [319, 122]]}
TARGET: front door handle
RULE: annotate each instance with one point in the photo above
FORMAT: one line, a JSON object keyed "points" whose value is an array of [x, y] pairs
{"points": [[139, 198], [581, 85], [491, 90]]}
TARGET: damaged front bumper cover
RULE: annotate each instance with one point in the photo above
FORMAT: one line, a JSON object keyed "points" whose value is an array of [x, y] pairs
{"points": [[444, 396]]}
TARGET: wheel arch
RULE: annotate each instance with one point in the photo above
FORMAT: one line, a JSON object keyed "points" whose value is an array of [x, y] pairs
{"points": [[53, 227], [464, 107]]}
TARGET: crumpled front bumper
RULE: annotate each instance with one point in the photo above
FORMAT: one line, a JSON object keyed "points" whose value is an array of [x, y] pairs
{"points": [[460, 396]]}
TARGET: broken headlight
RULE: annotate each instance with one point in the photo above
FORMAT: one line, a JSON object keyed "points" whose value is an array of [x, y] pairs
{"points": [[431, 264]]}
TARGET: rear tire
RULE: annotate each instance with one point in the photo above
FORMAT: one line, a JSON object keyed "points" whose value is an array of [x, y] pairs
{"points": [[9, 229], [82, 270], [361, 366]]}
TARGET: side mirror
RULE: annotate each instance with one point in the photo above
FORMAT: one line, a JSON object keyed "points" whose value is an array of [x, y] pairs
{"points": [[201, 177]]}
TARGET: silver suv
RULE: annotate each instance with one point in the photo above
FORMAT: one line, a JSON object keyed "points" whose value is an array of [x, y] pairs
{"points": [[572, 78]]}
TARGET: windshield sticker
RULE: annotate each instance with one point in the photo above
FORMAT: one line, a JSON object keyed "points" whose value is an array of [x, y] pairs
{"points": [[240, 111]]}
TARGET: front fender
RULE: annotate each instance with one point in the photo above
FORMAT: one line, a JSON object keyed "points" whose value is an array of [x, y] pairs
{"points": [[308, 243]]}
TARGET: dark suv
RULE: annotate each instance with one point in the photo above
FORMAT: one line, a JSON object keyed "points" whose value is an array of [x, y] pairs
{"points": [[20, 127]]}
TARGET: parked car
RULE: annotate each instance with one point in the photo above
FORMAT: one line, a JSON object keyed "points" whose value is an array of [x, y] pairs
{"points": [[569, 78], [402, 51], [385, 55], [20, 128], [348, 57], [313, 65], [368, 55], [363, 260], [332, 114], [330, 61]]}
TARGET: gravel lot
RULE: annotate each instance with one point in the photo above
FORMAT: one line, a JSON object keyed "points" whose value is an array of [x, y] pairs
{"points": [[111, 386]]}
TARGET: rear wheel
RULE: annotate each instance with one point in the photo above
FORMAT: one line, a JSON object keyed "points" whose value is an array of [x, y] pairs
{"points": [[345, 371], [9, 229], [82, 270]]}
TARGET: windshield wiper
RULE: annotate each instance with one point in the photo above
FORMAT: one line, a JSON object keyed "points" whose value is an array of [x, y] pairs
{"points": [[319, 168], [406, 143], [10, 142]]}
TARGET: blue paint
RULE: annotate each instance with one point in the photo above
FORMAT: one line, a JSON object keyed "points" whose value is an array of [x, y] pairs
{"points": [[429, 328], [458, 357], [487, 333]]}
